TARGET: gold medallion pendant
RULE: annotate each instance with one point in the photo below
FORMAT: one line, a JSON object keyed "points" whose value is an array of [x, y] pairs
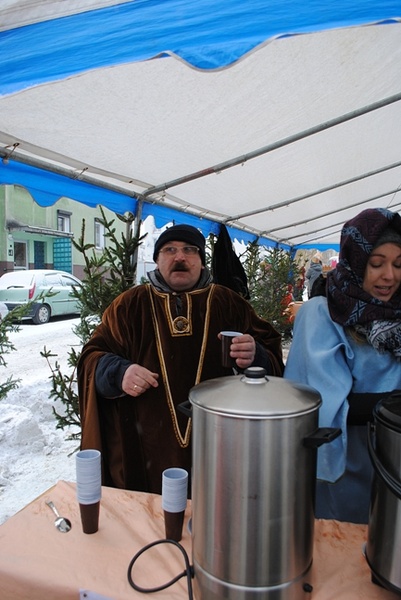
{"points": [[181, 325]]}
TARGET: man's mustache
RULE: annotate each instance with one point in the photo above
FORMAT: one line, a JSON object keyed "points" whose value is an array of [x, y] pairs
{"points": [[180, 267]]}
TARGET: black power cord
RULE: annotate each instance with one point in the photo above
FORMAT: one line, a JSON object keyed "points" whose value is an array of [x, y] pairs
{"points": [[188, 573]]}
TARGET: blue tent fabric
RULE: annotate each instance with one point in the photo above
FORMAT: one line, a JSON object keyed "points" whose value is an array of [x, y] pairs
{"points": [[46, 188], [207, 34]]}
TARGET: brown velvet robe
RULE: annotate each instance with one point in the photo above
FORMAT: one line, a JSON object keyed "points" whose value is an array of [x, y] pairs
{"points": [[137, 436]]}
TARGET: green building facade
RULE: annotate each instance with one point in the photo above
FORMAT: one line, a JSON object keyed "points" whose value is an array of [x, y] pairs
{"points": [[34, 237]]}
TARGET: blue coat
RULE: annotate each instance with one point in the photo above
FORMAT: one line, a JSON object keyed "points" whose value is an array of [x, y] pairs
{"points": [[325, 357]]}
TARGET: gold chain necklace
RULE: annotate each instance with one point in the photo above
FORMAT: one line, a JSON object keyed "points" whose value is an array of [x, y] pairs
{"points": [[183, 440]]}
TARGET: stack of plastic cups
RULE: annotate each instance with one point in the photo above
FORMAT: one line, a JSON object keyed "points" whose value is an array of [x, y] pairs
{"points": [[174, 501], [89, 488]]}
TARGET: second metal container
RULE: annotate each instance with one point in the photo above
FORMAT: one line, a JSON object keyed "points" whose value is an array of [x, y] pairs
{"points": [[383, 548]]}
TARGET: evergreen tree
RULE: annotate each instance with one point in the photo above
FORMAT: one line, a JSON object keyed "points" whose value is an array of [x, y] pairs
{"points": [[7, 326], [10, 323], [106, 276], [271, 273]]}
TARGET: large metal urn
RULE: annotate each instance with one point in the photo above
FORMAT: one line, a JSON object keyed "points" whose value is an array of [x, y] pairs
{"points": [[254, 468]]}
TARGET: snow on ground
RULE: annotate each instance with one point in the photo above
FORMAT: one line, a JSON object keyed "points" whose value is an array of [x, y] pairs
{"points": [[34, 455]]}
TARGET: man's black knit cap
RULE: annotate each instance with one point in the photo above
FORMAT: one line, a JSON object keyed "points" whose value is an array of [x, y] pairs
{"points": [[181, 233]]}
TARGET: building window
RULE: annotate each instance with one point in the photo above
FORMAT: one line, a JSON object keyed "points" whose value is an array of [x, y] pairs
{"points": [[63, 221], [99, 235]]}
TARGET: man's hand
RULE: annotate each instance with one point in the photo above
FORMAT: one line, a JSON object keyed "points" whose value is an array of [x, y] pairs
{"points": [[243, 349], [137, 380]]}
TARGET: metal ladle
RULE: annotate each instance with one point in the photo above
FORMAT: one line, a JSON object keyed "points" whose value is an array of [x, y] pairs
{"points": [[61, 523]]}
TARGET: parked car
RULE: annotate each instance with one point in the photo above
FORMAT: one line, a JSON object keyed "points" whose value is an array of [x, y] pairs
{"points": [[19, 287]]}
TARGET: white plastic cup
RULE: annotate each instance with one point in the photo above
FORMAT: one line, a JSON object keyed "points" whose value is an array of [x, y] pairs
{"points": [[174, 501], [174, 489], [89, 488], [89, 476]]}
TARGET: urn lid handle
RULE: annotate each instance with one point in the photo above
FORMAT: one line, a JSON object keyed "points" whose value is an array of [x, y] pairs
{"points": [[255, 375]]}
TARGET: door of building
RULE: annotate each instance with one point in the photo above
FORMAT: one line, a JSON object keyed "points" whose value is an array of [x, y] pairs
{"points": [[38, 255]]}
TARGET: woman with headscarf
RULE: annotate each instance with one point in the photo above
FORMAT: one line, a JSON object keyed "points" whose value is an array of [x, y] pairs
{"points": [[347, 345]]}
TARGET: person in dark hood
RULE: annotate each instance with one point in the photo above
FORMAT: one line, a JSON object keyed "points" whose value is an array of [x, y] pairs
{"points": [[226, 266], [155, 342], [347, 345]]}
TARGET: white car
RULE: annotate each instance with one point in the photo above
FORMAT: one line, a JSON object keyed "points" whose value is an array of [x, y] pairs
{"points": [[19, 287]]}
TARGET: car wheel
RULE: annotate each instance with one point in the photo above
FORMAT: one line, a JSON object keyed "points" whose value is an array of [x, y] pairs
{"points": [[42, 315]]}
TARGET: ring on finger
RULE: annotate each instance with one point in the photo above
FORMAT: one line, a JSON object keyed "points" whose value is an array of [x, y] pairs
{"points": [[135, 386]]}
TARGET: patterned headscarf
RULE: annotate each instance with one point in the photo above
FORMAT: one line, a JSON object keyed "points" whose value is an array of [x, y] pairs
{"points": [[349, 304]]}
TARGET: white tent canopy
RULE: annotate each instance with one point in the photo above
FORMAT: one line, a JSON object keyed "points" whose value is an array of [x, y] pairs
{"points": [[280, 137]]}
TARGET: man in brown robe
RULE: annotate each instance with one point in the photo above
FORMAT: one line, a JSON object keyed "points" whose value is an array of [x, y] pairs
{"points": [[156, 341]]}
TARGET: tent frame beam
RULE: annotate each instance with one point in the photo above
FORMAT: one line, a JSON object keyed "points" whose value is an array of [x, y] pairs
{"points": [[13, 152], [332, 212], [240, 160], [328, 188]]}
